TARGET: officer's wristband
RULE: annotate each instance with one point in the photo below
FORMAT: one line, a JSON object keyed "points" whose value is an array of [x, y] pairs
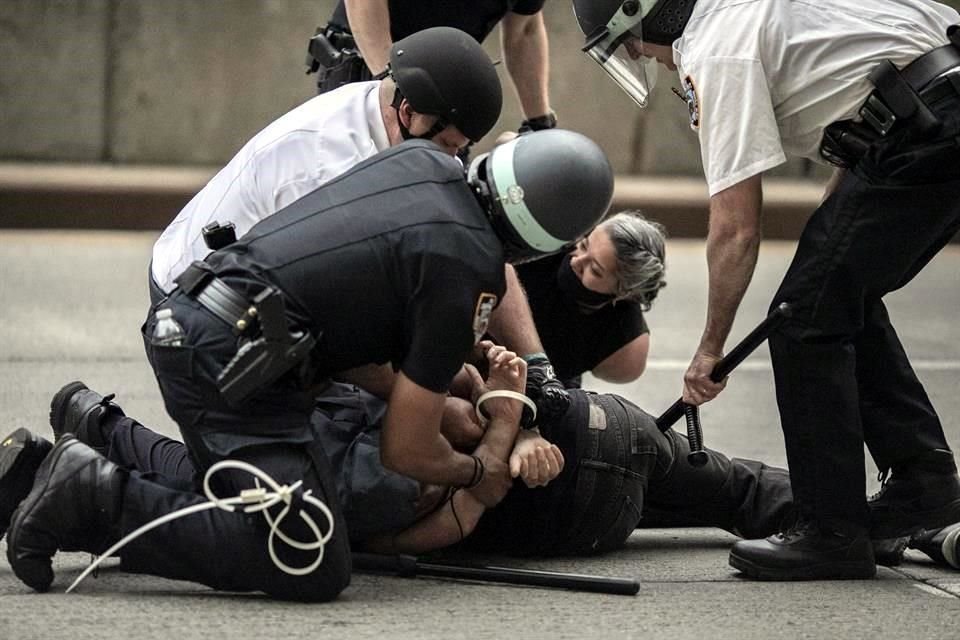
{"points": [[546, 121]]}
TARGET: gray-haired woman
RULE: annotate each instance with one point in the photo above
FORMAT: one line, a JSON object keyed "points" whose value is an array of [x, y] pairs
{"points": [[588, 304]]}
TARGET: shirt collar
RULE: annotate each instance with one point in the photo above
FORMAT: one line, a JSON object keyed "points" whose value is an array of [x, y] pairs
{"points": [[378, 130]]}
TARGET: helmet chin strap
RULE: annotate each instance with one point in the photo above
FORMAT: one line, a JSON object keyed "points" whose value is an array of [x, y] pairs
{"points": [[437, 127]]}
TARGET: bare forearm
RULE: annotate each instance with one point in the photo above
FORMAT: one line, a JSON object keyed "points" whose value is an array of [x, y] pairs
{"points": [[733, 243], [453, 521], [370, 24], [430, 461], [526, 54]]}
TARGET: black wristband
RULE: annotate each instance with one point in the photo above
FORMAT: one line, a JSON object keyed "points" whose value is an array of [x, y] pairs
{"points": [[478, 471], [546, 121]]}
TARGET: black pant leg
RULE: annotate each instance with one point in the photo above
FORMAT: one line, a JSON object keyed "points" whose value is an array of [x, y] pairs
{"points": [[883, 224], [899, 420], [228, 551], [745, 497], [136, 447]]}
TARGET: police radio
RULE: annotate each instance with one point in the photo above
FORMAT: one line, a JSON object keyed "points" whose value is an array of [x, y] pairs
{"points": [[217, 236]]}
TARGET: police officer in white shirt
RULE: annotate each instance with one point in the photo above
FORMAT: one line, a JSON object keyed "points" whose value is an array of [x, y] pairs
{"points": [[874, 88], [441, 85]]}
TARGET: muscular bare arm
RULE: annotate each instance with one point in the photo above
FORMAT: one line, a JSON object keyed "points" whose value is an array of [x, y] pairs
{"points": [[525, 52], [733, 243], [370, 24], [458, 517]]}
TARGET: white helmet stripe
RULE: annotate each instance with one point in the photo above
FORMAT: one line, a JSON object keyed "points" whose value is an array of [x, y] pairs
{"points": [[510, 196]]}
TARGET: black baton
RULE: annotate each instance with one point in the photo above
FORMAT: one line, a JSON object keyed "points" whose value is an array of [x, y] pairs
{"points": [[407, 566], [697, 456]]}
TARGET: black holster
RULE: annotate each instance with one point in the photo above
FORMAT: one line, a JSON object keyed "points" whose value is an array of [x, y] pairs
{"points": [[333, 55], [268, 349], [263, 359]]}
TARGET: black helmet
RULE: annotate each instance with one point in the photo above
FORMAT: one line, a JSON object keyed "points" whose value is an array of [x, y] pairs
{"points": [[444, 72], [543, 191], [608, 24]]}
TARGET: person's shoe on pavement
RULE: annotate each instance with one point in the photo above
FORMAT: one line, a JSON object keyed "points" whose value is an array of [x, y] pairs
{"points": [[21, 453], [74, 505], [806, 551], [922, 493], [81, 411]]}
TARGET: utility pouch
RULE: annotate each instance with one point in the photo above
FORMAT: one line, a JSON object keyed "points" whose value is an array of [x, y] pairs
{"points": [[262, 360], [896, 101]]}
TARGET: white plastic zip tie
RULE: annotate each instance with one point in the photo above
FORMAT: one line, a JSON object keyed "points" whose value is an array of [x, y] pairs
{"points": [[257, 499], [503, 393]]}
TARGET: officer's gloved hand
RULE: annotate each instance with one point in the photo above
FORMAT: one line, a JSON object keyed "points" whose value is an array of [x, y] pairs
{"points": [[546, 391], [546, 121]]}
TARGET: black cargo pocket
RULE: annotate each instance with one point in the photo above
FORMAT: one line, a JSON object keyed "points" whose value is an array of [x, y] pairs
{"points": [[182, 395]]}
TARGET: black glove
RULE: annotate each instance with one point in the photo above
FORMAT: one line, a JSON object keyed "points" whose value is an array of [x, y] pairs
{"points": [[546, 121], [546, 391]]}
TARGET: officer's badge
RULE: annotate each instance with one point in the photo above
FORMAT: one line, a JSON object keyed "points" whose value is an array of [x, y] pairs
{"points": [[693, 103], [481, 318]]}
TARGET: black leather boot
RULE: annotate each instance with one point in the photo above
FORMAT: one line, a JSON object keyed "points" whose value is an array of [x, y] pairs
{"points": [[922, 493], [942, 545], [21, 453], [74, 506], [78, 410], [805, 552]]}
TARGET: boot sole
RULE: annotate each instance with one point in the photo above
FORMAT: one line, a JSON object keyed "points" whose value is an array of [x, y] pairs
{"points": [[822, 571], [33, 451], [927, 520], [36, 576], [58, 406]]}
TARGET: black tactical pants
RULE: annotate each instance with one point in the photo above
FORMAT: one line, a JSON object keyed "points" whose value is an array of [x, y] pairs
{"points": [[843, 378], [224, 550]]}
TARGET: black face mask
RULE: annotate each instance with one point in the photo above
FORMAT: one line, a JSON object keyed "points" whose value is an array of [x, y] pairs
{"points": [[573, 290]]}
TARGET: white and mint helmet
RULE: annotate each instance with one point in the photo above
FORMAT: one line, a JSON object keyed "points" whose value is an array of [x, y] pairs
{"points": [[544, 190]]}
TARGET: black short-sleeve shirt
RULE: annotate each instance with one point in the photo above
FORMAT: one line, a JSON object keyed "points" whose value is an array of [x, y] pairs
{"points": [[393, 261], [575, 341], [476, 17]]}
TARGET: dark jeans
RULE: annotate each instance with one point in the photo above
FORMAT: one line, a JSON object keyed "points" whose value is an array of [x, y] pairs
{"points": [[621, 468], [224, 550], [843, 378]]}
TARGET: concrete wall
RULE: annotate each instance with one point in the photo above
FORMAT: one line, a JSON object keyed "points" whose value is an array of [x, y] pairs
{"points": [[186, 82]]}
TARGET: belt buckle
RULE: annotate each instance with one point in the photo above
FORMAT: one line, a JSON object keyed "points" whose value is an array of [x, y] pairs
{"points": [[878, 115]]}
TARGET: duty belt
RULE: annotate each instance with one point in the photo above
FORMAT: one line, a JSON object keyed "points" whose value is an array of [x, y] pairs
{"points": [[268, 350], [901, 99], [906, 94]]}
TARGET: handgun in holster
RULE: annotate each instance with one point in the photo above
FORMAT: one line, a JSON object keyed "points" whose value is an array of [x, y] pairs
{"points": [[263, 359], [334, 57]]}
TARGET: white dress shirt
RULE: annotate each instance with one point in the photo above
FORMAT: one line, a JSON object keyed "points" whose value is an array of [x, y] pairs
{"points": [[291, 157]]}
